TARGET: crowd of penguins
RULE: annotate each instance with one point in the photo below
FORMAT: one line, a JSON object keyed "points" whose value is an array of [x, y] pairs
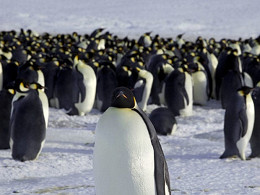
{"points": [[79, 72]]}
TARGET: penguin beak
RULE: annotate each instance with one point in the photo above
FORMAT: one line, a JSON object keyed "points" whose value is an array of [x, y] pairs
{"points": [[121, 93]]}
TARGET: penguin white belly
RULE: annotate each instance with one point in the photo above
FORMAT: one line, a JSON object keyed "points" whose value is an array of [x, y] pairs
{"points": [[54, 102], [248, 80], [256, 50], [187, 111], [123, 154], [147, 89], [200, 88], [243, 141], [174, 128], [162, 95], [213, 63], [42, 144], [45, 106], [41, 80], [99, 103]]}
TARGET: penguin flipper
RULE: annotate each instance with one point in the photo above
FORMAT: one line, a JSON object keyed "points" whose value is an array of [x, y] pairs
{"points": [[243, 122], [162, 177], [185, 94], [81, 86]]}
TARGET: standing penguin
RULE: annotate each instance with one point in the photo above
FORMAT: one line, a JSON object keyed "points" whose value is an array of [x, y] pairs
{"points": [[238, 123], [179, 92], [156, 65], [143, 87], [128, 158], [200, 85], [87, 83], [213, 63], [255, 138], [28, 122], [106, 83]]}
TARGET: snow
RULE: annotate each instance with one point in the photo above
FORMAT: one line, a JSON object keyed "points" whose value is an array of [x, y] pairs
{"points": [[192, 153]]}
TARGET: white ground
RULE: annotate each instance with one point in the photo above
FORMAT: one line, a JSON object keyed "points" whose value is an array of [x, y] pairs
{"points": [[65, 164]]}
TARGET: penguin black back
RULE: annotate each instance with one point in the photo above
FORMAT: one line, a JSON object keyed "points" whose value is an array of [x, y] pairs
{"points": [[106, 83], [27, 126], [6, 97]]}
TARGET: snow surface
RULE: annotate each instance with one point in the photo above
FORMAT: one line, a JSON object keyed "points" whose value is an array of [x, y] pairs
{"points": [[192, 153]]}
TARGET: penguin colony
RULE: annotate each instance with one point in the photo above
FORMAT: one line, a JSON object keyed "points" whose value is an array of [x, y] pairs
{"points": [[79, 72]]}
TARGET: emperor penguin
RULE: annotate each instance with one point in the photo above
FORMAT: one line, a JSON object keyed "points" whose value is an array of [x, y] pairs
{"points": [[106, 83], [156, 65], [143, 88], [179, 92], [200, 85], [256, 48], [28, 122], [164, 121], [87, 83], [128, 158], [255, 138], [31, 73], [238, 123], [145, 40], [213, 63]]}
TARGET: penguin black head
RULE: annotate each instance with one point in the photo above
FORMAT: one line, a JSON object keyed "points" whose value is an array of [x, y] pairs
{"points": [[243, 91], [123, 98]]}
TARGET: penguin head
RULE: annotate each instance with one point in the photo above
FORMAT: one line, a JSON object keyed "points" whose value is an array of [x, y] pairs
{"points": [[123, 98], [244, 91], [22, 87], [36, 86]]}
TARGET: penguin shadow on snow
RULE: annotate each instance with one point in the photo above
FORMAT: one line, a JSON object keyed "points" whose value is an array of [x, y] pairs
{"points": [[190, 156], [216, 136], [52, 149]]}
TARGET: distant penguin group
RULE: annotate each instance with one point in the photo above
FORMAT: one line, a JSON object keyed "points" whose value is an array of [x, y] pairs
{"points": [[80, 72]]}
